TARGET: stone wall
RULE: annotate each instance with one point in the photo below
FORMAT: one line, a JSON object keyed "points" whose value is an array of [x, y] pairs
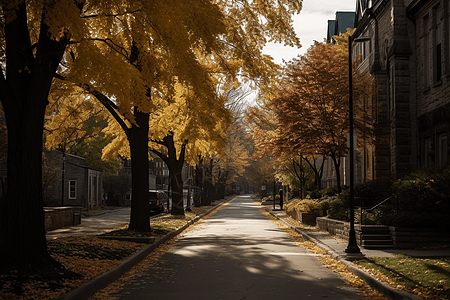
{"points": [[60, 217], [403, 238], [307, 217], [409, 238], [335, 227]]}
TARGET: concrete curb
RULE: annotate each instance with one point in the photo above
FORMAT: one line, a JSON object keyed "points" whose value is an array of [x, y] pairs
{"points": [[377, 285], [90, 288]]}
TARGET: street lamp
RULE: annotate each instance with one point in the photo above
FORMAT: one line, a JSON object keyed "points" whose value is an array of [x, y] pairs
{"points": [[352, 246]]}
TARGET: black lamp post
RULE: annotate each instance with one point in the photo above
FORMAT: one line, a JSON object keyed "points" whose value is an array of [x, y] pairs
{"points": [[352, 246]]}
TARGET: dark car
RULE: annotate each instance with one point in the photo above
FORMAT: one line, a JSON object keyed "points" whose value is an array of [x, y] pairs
{"points": [[157, 200]]}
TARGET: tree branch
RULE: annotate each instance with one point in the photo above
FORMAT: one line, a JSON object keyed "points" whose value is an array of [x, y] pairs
{"points": [[112, 108]]}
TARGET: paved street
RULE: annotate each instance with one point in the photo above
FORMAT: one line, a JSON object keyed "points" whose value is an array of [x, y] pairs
{"points": [[237, 254]]}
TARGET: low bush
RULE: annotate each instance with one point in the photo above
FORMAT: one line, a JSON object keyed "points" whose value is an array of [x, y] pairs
{"points": [[424, 191], [316, 194], [303, 205], [373, 191], [338, 209], [331, 191]]}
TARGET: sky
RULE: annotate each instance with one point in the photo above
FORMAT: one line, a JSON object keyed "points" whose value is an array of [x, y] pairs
{"points": [[311, 24]]}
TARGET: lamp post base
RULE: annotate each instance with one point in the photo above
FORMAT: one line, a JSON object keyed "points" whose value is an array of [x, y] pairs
{"points": [[352, 246]]}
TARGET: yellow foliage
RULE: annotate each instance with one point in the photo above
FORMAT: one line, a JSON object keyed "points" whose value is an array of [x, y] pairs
{"points": [[68, 109], [302, 205]]}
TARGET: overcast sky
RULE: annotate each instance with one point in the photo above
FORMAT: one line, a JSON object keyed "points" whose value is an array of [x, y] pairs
{"points": [[310, 24]]}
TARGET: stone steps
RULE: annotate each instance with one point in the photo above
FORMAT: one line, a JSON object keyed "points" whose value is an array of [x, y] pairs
{"points": [[376, 237]]}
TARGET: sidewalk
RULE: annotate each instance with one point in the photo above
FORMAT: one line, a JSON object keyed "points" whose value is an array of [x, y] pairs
{"points": [[336, 249], [338, 245], [95, 224]]}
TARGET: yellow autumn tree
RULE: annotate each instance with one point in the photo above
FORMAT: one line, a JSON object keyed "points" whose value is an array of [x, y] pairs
{"points": [[123, 52], [216, 57]]}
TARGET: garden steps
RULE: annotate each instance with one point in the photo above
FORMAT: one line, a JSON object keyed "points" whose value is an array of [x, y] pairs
{"points": [[376, 237]]}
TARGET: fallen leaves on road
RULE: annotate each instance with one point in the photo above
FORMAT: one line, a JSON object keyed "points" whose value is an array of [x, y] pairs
{"points": [[112, 289], [328, 261], [88, 257]]}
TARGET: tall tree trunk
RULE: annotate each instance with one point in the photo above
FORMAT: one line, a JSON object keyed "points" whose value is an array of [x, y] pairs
{"points": [[24, 92], [199, 181], [175, 166], [337, 162], [177, 193], [22, 229], [138, 139]]}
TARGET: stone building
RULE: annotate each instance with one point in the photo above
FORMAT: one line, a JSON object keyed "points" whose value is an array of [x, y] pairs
{"points": [[408, 56]]}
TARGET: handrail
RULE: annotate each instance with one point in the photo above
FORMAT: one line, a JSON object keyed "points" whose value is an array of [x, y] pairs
{"points": [[376, 205], [383, 200]]}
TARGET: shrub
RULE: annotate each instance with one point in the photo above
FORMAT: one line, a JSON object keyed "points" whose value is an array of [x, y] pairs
{"points": [[424, 191], [324, 205], [331, 191], [338, 209], [303, 205], [373, 191], [316, 194], [420, 220]]}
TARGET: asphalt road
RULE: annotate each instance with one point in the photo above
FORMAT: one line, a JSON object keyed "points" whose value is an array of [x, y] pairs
{"points": [[237, 254]]}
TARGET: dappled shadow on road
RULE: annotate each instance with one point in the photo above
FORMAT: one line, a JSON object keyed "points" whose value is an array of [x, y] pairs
{"points": [[235, 256]]}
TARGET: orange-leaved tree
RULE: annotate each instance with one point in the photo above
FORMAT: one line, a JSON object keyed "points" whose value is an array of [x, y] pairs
{"points": [[312, 104]]}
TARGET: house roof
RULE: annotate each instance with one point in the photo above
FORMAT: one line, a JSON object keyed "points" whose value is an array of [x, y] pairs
{"points": [[344, 20], [330, 31]]}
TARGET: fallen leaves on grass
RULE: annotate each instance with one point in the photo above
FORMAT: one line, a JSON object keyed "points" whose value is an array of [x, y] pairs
{"points": [[426, 277], [87, 257]]}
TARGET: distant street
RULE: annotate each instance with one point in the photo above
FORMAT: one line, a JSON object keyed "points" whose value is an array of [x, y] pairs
{"points": [[237, 254]]}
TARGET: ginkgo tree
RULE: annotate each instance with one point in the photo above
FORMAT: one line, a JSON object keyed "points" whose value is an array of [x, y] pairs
{"points": [[227, 55], [123, 52], [74, 124]]}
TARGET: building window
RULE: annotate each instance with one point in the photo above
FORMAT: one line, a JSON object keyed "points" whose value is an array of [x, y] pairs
{"points": [[426, 53], [447, 9], [391, 91], [437, 43], [443, 149], [72, 189]]}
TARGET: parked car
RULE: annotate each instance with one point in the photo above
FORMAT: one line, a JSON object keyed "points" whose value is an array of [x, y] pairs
{"points": [[157, 200]]}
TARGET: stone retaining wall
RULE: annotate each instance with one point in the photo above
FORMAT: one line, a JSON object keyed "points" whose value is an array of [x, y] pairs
{"points": [[307, 217], [404, 238], [335, 227], [60, 217], [408, 238]]}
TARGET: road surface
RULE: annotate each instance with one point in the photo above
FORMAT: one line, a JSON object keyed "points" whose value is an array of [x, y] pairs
{"points": [[237, 254]]}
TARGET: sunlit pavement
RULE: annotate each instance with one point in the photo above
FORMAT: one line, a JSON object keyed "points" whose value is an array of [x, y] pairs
{"points": [[237, 254], [95, 225]]}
